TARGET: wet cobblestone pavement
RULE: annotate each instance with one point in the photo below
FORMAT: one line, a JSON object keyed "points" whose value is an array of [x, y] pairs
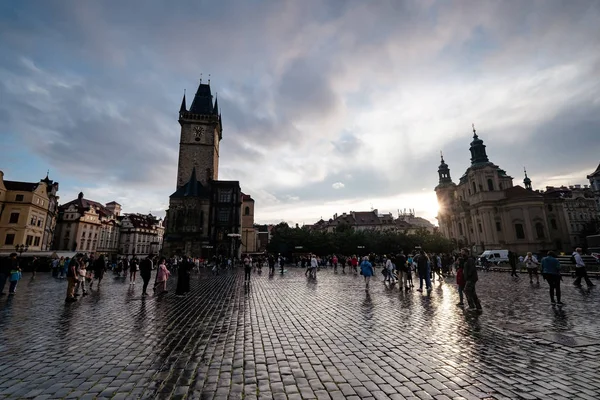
{"points": [[284, 337]]}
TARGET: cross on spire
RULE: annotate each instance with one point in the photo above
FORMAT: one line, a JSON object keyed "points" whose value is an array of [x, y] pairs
{"points": [[474, 131]]}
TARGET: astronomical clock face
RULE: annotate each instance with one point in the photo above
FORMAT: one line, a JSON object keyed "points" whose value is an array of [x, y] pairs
{"points": [[199, 132]]}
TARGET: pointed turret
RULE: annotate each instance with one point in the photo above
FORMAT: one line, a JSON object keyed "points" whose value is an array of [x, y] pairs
{"points": [[527, 181], [216, 107], [183, 107], [478, 154]]}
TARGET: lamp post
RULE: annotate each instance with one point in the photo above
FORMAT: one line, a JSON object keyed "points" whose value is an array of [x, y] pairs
{"points": [[21, 248]]}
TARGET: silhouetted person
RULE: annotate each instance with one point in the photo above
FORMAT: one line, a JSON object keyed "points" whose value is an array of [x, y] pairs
{"points": [[146, 272], [183, 277]]}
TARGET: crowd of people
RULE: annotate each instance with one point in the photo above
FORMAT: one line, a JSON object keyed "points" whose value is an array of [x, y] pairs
{"points": [[82, 271]]}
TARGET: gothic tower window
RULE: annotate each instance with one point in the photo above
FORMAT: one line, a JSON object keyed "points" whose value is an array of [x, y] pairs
{"points": [[460, 229], [474, 187], [247, 210], [490, 185]]}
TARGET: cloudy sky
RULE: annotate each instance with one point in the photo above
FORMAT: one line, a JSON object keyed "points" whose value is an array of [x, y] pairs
{"points": [[328, 106]]}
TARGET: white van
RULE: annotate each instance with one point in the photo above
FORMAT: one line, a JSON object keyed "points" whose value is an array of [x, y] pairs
{"points": [[493, 257]]}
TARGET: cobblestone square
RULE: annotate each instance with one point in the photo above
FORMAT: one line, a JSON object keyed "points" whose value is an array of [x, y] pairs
{"points": [[286, 337]]}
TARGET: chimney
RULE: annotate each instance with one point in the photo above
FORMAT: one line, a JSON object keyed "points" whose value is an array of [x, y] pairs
{"points": [[577, 186]]}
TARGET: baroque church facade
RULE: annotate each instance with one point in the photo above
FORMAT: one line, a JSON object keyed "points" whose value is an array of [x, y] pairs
{"points": [[204, 218], [486, 211]]}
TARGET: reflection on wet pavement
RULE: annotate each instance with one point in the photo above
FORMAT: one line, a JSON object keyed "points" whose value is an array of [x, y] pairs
{"points": [[291, 337]]}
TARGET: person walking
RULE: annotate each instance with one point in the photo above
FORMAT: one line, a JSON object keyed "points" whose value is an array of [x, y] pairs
{"points": [[314, 264], [99, 268], [271, 264], [389, 271], [460, 282], [162, 276], [531, 263], [367, 271], [14, 274], [133, 269], [551, 273], [183, 277], [401, 271], [424, 269], [512, 260], [470, 274], [72, 277], [580, 270], [247, 268], [145, 272], [81, 276]]}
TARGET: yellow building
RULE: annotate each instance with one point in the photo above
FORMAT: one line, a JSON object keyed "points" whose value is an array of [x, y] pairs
{"points": [[27, 214], [249, 234]]}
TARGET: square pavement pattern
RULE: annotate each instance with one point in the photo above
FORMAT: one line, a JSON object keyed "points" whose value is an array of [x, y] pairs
{"points": [[287, 337]]}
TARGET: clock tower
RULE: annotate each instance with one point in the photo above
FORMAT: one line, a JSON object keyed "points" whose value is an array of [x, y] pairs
{"points": [[201, 132]]}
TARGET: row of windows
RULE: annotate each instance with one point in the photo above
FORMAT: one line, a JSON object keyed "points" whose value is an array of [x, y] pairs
{"points": [[29, 240], [35, 220], [519, 229]]}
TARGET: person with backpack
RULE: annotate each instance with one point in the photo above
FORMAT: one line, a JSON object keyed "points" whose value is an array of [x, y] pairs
{"points": [[580, 271], [424, 269], [367, 271], [146, 267], [551, 273], [402, 271], [531, 263]]}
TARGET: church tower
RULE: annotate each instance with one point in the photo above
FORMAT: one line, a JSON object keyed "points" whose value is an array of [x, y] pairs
{"points": [[201, 132]]}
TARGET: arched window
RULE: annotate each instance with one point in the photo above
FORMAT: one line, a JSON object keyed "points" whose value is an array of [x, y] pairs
{"points": [[460, 229], [500, 185], [553, 224], [474, 187], [539, 230], [490, 185], [247, 210], [519, 231]]}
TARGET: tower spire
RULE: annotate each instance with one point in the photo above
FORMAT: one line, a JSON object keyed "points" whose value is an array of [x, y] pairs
{"points": [[216, 107], [478, 153], [183, 107]]}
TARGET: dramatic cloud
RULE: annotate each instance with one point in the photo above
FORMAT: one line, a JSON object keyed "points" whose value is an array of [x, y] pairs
{"points": [[312, 92]]}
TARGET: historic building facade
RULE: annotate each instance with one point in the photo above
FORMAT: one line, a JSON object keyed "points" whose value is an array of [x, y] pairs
{"points": [[88, 226], [249, 239], [27, 214], [204, 216], [485, 211], [140, 235], [580, 208]]}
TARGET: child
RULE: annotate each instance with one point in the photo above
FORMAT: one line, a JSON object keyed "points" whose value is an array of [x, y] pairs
{"points": [[162, 275], [15, 276], [460, 281]]}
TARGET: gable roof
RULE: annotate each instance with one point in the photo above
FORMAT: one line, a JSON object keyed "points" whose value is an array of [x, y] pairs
{"points": [[83, 205]]}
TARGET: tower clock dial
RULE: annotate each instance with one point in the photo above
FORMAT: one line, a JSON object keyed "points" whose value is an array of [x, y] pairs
{"points": [[198, 132]]}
